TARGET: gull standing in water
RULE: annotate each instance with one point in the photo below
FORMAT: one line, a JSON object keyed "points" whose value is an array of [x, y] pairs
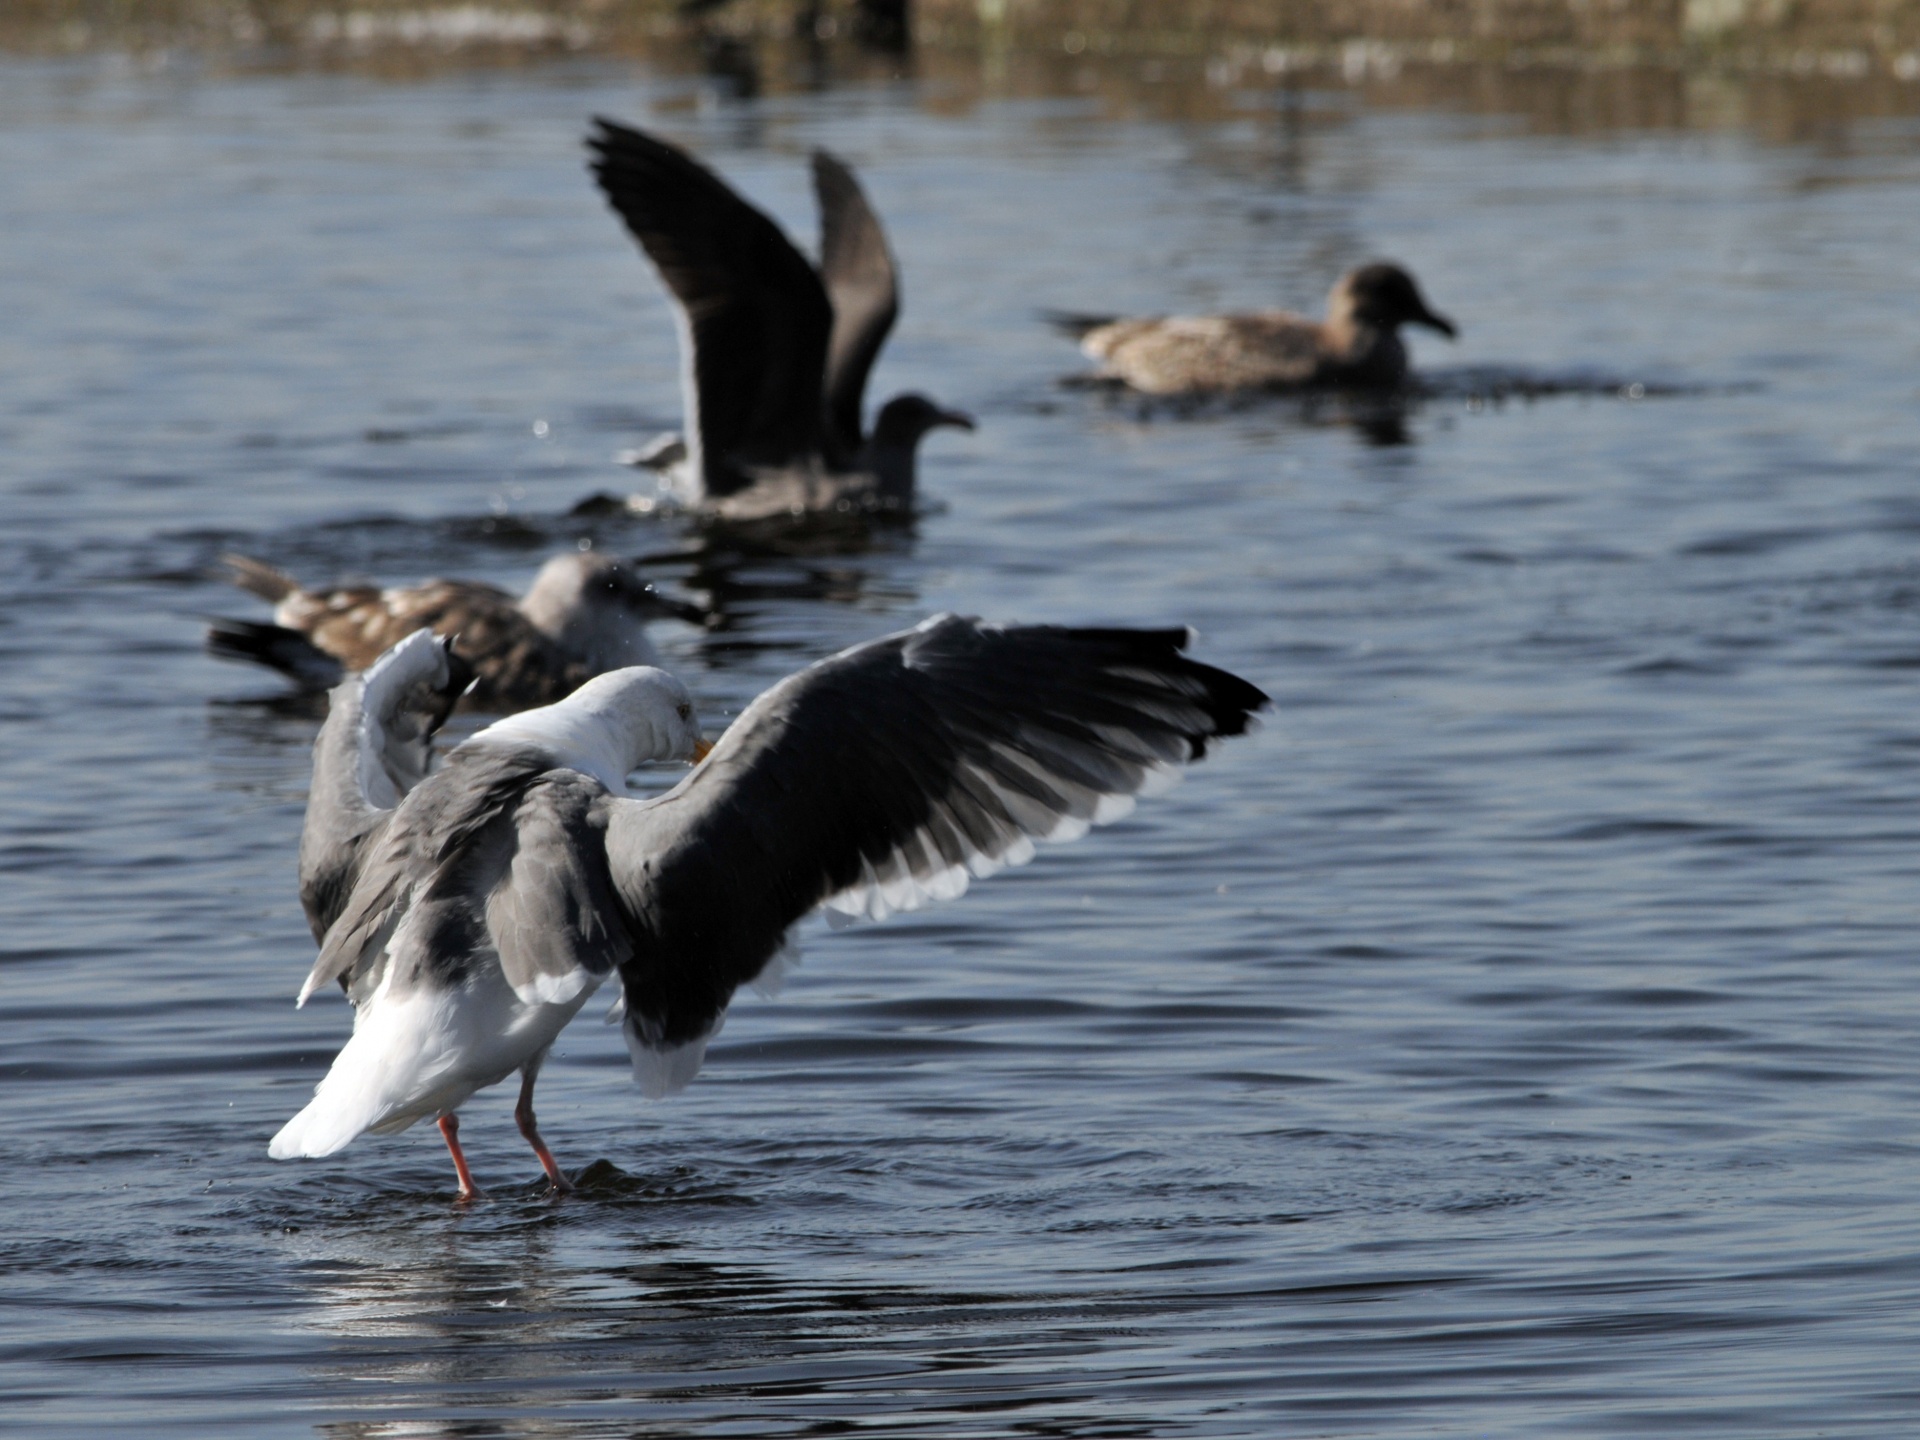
{"points": [[469, 918], [774, 354], [1357, 347], [584, 614]]}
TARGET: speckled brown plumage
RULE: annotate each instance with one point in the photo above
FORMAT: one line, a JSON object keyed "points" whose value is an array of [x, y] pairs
{"points": [[516, 666], [583, 615]]}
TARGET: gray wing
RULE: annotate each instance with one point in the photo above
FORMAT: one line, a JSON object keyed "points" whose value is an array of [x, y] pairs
{"points": [[755, 318], [864, 286], [486, 840], [376, 745], [551, 911], [888, 776]]}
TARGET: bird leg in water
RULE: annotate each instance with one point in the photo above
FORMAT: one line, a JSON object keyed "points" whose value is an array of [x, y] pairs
{"points": [[450, 1129], [523, 1117]]}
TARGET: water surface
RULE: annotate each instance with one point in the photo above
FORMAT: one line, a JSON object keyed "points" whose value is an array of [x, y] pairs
{"points": [[1516, 1037]]}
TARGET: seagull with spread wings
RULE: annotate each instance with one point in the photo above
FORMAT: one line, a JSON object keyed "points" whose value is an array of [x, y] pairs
{"points": [[774, 353], [468, 914]]}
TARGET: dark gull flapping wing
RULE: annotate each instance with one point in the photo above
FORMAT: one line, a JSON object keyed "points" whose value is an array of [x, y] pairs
{"points": [[756, 318], [864, 287], [888, 776]]}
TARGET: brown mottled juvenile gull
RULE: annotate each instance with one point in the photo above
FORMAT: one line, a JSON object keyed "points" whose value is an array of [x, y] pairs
{"points": [[1357, 346], [774, 354], [485, 905], [584, 614]]}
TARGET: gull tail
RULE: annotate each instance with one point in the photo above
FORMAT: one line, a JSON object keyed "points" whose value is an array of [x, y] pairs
{"points": [[393, 1072], [320, 1129], [276, 647], [257, 577], [1075, 324]]}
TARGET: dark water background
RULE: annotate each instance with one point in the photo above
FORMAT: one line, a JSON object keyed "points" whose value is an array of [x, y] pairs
{"points": [[1517, 1037]]}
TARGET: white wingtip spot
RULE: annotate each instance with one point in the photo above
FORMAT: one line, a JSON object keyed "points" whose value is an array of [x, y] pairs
{"points": [[1160, 779], [772, 978], [892, 886], [547, 989], [661, 1071]]}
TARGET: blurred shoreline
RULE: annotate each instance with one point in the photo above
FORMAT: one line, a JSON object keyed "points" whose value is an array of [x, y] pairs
{"points": [[1842, 39], [1784, 70]]}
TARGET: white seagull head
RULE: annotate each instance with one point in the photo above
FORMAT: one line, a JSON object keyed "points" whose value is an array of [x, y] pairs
{"points": [[610, 726]]}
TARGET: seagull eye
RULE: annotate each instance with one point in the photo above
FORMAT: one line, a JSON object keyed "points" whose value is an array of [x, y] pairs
{"points": [[686, 712]]}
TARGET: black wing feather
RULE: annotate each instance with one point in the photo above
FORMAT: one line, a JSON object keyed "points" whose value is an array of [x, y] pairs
{"points": [[951, 745], [758, 315], [864, 287]]}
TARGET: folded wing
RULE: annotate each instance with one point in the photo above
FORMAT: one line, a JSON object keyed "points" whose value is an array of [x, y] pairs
{"points": [[376, 745], [888, 776], [755, 319]]}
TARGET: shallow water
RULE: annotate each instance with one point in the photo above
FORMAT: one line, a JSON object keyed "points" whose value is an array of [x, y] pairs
{"points": [[1516, 1037]]}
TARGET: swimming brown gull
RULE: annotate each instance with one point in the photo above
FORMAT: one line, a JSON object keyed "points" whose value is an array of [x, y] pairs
{"points": [[584, 614], [1358, 345], [471, 917], [774, 353]]}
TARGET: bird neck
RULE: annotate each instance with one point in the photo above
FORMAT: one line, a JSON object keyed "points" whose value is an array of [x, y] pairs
{"points": [[1360, 348], [573, 737], [892, 461]]}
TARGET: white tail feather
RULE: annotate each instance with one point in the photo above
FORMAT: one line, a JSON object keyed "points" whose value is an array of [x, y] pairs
{"points": [[393, 1072]]}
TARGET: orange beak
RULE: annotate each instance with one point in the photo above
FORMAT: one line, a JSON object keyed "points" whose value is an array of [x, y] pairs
{"points": [[701, 749]]}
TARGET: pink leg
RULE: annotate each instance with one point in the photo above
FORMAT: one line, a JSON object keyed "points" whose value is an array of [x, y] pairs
{"points": [[523, 1117], [450, 1129]]}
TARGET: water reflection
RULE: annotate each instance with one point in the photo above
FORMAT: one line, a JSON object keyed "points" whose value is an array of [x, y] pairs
{"points": [[468, 1315], [1469, 1058], [1380, 419]]}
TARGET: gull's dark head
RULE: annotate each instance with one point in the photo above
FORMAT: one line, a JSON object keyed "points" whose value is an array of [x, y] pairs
{"points": [[1383, 294], [903, 420]]}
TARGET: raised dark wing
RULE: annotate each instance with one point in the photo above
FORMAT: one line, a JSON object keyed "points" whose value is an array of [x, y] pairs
{"points": [[864, 287], [375, 747], [755, 319], [888, 776]]}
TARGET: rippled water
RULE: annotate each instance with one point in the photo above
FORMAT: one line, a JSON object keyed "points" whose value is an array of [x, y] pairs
{"points": [[1517, 1037]]}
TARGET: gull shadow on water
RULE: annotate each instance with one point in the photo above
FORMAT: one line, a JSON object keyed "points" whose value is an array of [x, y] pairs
{"points": [[1497, 384], [1385, 420], [1378, 419], [743, 570], [355, 1206], [262, 719]]}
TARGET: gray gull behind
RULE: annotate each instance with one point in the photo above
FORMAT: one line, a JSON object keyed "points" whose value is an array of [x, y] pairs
{"points": [[774, 354], [1357, 347]]}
